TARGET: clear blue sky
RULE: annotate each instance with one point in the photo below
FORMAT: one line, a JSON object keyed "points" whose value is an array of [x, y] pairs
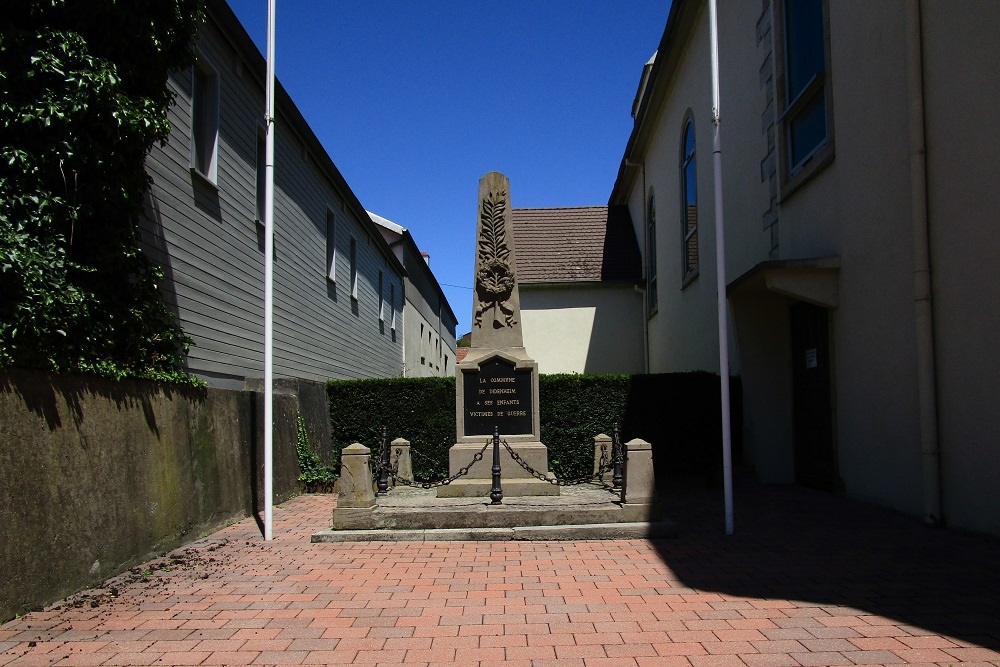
{"points": [[415, 101]]}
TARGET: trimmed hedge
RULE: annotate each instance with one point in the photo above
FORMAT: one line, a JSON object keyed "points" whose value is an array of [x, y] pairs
{"points": [[679, 413], [422, 410]]}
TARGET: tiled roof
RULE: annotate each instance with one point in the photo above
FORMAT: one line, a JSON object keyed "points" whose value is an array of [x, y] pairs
{"points": [[578, 243], [460, 354]]}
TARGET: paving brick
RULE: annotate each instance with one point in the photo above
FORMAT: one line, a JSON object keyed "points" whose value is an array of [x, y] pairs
{"points": [[794, 592]]}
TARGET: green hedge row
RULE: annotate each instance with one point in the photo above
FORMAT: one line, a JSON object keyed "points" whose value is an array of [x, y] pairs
{"points": [[679, 413]]}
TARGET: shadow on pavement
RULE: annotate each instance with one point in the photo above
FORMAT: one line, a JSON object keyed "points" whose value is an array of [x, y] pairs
{"points": [[792, 543]]}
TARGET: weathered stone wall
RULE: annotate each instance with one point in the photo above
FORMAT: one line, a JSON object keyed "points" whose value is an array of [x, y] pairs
{"points": [[97, 475]]}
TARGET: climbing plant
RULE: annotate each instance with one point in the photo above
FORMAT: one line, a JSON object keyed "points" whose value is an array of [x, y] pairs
{"points": [[83, 99]]}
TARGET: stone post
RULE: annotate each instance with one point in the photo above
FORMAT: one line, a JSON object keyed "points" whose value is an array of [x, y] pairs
{"points": [[399, 453], [602, 445], [356, 495], [638, 482]]}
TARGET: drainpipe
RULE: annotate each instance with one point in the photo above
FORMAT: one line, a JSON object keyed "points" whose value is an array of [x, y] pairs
{"points": [[642, 290], [922, 284]]}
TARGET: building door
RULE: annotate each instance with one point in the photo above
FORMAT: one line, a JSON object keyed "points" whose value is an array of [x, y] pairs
{"points": [[815, 464]]}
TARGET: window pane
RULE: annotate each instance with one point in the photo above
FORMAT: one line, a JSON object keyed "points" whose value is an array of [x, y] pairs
{"points": [[804, 51], [807, 130], [331, 246], [204, 119]]}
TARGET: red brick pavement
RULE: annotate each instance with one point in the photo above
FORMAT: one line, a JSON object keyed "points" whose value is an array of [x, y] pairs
{"points": [[809, 579]]}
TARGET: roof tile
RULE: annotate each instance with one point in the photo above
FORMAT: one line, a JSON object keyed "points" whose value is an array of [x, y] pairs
{"points": [[575, 244]]}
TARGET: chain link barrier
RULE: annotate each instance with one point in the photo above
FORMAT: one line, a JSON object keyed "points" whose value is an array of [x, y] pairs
{"points": [[605, 465], [392, 470], [381, 464]]}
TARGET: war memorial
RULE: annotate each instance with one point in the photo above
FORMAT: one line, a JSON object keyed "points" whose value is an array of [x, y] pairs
{"points": [[499, 485]]}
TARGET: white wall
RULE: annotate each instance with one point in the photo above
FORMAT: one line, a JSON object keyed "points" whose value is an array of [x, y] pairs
{"points": [[583, 328]]}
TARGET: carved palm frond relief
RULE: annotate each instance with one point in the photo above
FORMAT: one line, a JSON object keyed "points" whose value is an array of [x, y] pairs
{"points": [[492, 240], [495, 276]]}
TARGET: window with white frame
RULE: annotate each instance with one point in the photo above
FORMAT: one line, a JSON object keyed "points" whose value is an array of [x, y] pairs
{"points": [[331, 246], [805, 127], [689, 205], [651, 255], [205, 119], [381, 298], [392, 305], [354, 268]]}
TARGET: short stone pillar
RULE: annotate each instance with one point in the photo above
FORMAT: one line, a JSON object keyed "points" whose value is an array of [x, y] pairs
{"points": [[399, 454], [602, 447], [638, 481], [356, 495]]}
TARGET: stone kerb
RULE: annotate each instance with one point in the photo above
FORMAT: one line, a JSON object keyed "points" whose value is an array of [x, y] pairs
{"points": [[602, 447], [400, 456], [638, 481], [355, 495]]}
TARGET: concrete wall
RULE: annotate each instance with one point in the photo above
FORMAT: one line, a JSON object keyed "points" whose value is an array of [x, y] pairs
{"points": [[960, 105], [97, 475], [583, 328], [857, 208]]}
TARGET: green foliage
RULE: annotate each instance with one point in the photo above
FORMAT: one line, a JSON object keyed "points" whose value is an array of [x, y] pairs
{"points": [[421, 410], [83, 98], [678, 413], [313, 474], [572, 410]]}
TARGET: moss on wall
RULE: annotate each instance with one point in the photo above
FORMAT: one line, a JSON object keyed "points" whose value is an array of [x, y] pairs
{"points": [[97, 475]]}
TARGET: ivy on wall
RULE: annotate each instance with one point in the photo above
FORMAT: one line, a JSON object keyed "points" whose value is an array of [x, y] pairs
{"points": [[83, 99]]}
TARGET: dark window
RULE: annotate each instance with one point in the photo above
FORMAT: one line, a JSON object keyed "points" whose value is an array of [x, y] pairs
{"points": [[689, 207], [381, 301], [805, 119], [205, 120], [354, 268], [392, 304], [331, 245]]}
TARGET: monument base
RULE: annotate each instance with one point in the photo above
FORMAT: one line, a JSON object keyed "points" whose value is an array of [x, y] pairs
{"points": [[514, 480], [480, 488]]}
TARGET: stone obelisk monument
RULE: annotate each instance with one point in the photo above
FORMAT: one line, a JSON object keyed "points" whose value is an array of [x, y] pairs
{"points": [[497, 383]]}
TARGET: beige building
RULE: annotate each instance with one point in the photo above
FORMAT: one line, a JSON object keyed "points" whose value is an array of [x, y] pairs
{"points": [[579, 278], [426, 320], [861, 237]]}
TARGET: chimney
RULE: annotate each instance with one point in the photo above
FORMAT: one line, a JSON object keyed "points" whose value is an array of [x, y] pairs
{"points": [[427, 257]]}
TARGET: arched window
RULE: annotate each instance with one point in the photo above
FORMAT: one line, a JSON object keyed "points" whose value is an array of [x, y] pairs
{"points": [[689, 205], [651, 255]]}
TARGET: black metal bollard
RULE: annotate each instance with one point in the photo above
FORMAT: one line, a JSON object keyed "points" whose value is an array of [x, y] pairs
{"points": [[616, 456], [496, 493], [383, 476]]}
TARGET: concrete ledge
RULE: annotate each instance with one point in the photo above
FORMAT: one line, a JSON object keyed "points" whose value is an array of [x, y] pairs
{"points": [[476, 488], [605, 531]]}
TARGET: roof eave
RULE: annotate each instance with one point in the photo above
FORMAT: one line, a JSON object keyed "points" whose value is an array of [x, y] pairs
{"points": [[222, 14], [651, 99]]}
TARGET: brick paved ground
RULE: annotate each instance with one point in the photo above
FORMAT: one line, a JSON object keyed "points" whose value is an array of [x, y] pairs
{"points": [[809, 579]]}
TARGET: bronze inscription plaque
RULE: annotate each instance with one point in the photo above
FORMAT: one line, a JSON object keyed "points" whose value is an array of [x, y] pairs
{"points": [[498, 395]]}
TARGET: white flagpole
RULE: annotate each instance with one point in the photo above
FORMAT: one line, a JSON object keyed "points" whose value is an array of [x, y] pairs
{"points": [[720, 275], [269, 279]]}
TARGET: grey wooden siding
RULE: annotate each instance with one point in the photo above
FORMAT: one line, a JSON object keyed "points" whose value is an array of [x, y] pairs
{"points": [[209, 242]]}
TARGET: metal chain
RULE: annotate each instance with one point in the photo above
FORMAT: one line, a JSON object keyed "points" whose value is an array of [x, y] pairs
{"points": [[447, 480], [603, 468]]}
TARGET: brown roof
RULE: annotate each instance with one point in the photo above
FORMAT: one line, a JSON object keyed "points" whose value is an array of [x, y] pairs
{"points": [[577, 243], [460, 354]]}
